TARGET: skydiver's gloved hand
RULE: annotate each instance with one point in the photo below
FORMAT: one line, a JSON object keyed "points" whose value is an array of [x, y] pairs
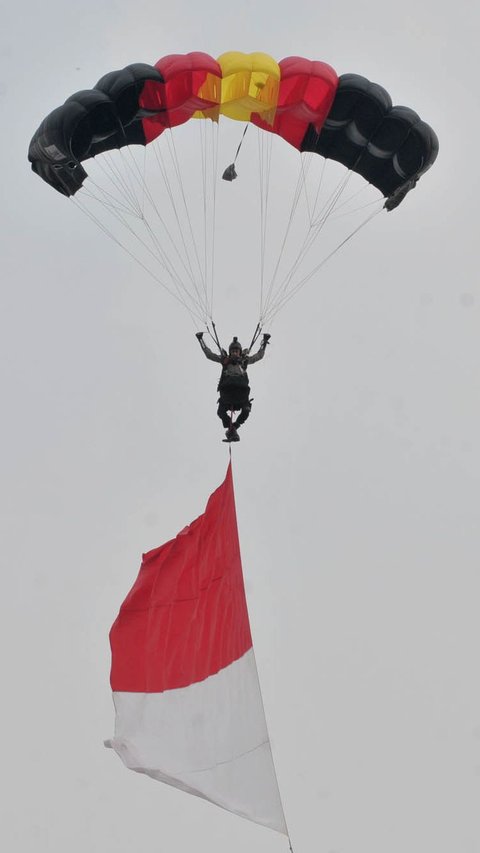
{"points": [[199, 335], [266, 340]]}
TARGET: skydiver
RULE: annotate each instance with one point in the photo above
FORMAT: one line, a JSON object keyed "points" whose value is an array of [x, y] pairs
{"points": [[233, 385]]}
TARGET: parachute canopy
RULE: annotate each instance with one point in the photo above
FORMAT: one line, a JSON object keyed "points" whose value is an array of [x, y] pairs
{"points": [[347, 119], [153, 135], [184, 679]]}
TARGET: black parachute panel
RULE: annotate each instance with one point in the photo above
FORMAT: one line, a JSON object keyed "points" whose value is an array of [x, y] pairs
{"points": [[390, 146], [90, 122]]}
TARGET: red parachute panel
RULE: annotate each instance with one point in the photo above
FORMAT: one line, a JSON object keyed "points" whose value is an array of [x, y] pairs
{"points": [[180, 96], [307, 90]]}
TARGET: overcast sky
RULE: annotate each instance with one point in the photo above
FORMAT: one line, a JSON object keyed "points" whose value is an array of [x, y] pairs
{"points": [[357, 476]]}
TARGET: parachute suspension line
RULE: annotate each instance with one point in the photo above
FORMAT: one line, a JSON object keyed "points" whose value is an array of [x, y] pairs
{"points": [[265, 162], [260, 146], [203, 158], [301, 185], [309, 156], [314, 230], [168, 265], [293, 208], [158, 254], [151, 232], [206, 204], [303, 177], [136, 177], [342, 186], [331, 202], [320, 183], [109, 201], [142, 180], [187, 264], [356, 209], [211, 335], [129, 185], [203, 150], [216, 337], [274, 311], [311, 235], [177, 294], [209, 158], [256, 335], [129, 188], [193, 314], [338, 215], [176, 164], [159, 257], [121, 180], [215, 139], [287, 291]]}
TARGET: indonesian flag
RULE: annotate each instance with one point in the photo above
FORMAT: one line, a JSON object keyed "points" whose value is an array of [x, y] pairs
{"points": [[185, 686]]}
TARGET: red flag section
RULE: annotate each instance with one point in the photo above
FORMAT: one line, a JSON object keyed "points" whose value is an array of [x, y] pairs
{"points": [[185, 617]]}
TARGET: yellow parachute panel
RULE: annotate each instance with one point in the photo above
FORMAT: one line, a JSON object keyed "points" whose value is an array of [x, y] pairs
{"points": [[250, 84], [210, 90]]}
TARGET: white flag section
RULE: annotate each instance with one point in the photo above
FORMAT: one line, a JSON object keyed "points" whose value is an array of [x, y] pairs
{"points": [[189, 710], [209, 739]]}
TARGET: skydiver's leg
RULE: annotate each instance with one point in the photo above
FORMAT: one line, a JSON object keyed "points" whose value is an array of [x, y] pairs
{"points": [[244, 414], [222, 412]]}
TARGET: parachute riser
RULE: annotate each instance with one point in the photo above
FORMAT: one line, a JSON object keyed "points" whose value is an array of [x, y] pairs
{"points": [[214, 336], [256, 335]]}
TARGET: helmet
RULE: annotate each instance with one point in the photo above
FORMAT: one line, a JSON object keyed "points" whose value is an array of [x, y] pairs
{"points": [[235, 345]]}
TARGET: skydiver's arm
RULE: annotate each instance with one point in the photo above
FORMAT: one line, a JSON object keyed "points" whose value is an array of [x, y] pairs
{"points": [[261, 352], [212, 356]]}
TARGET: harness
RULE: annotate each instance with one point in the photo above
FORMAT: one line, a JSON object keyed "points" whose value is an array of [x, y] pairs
{"points": [[233, 380]]}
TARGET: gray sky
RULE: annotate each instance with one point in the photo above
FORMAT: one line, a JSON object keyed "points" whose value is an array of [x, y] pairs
{"points": [[357, 477]]}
